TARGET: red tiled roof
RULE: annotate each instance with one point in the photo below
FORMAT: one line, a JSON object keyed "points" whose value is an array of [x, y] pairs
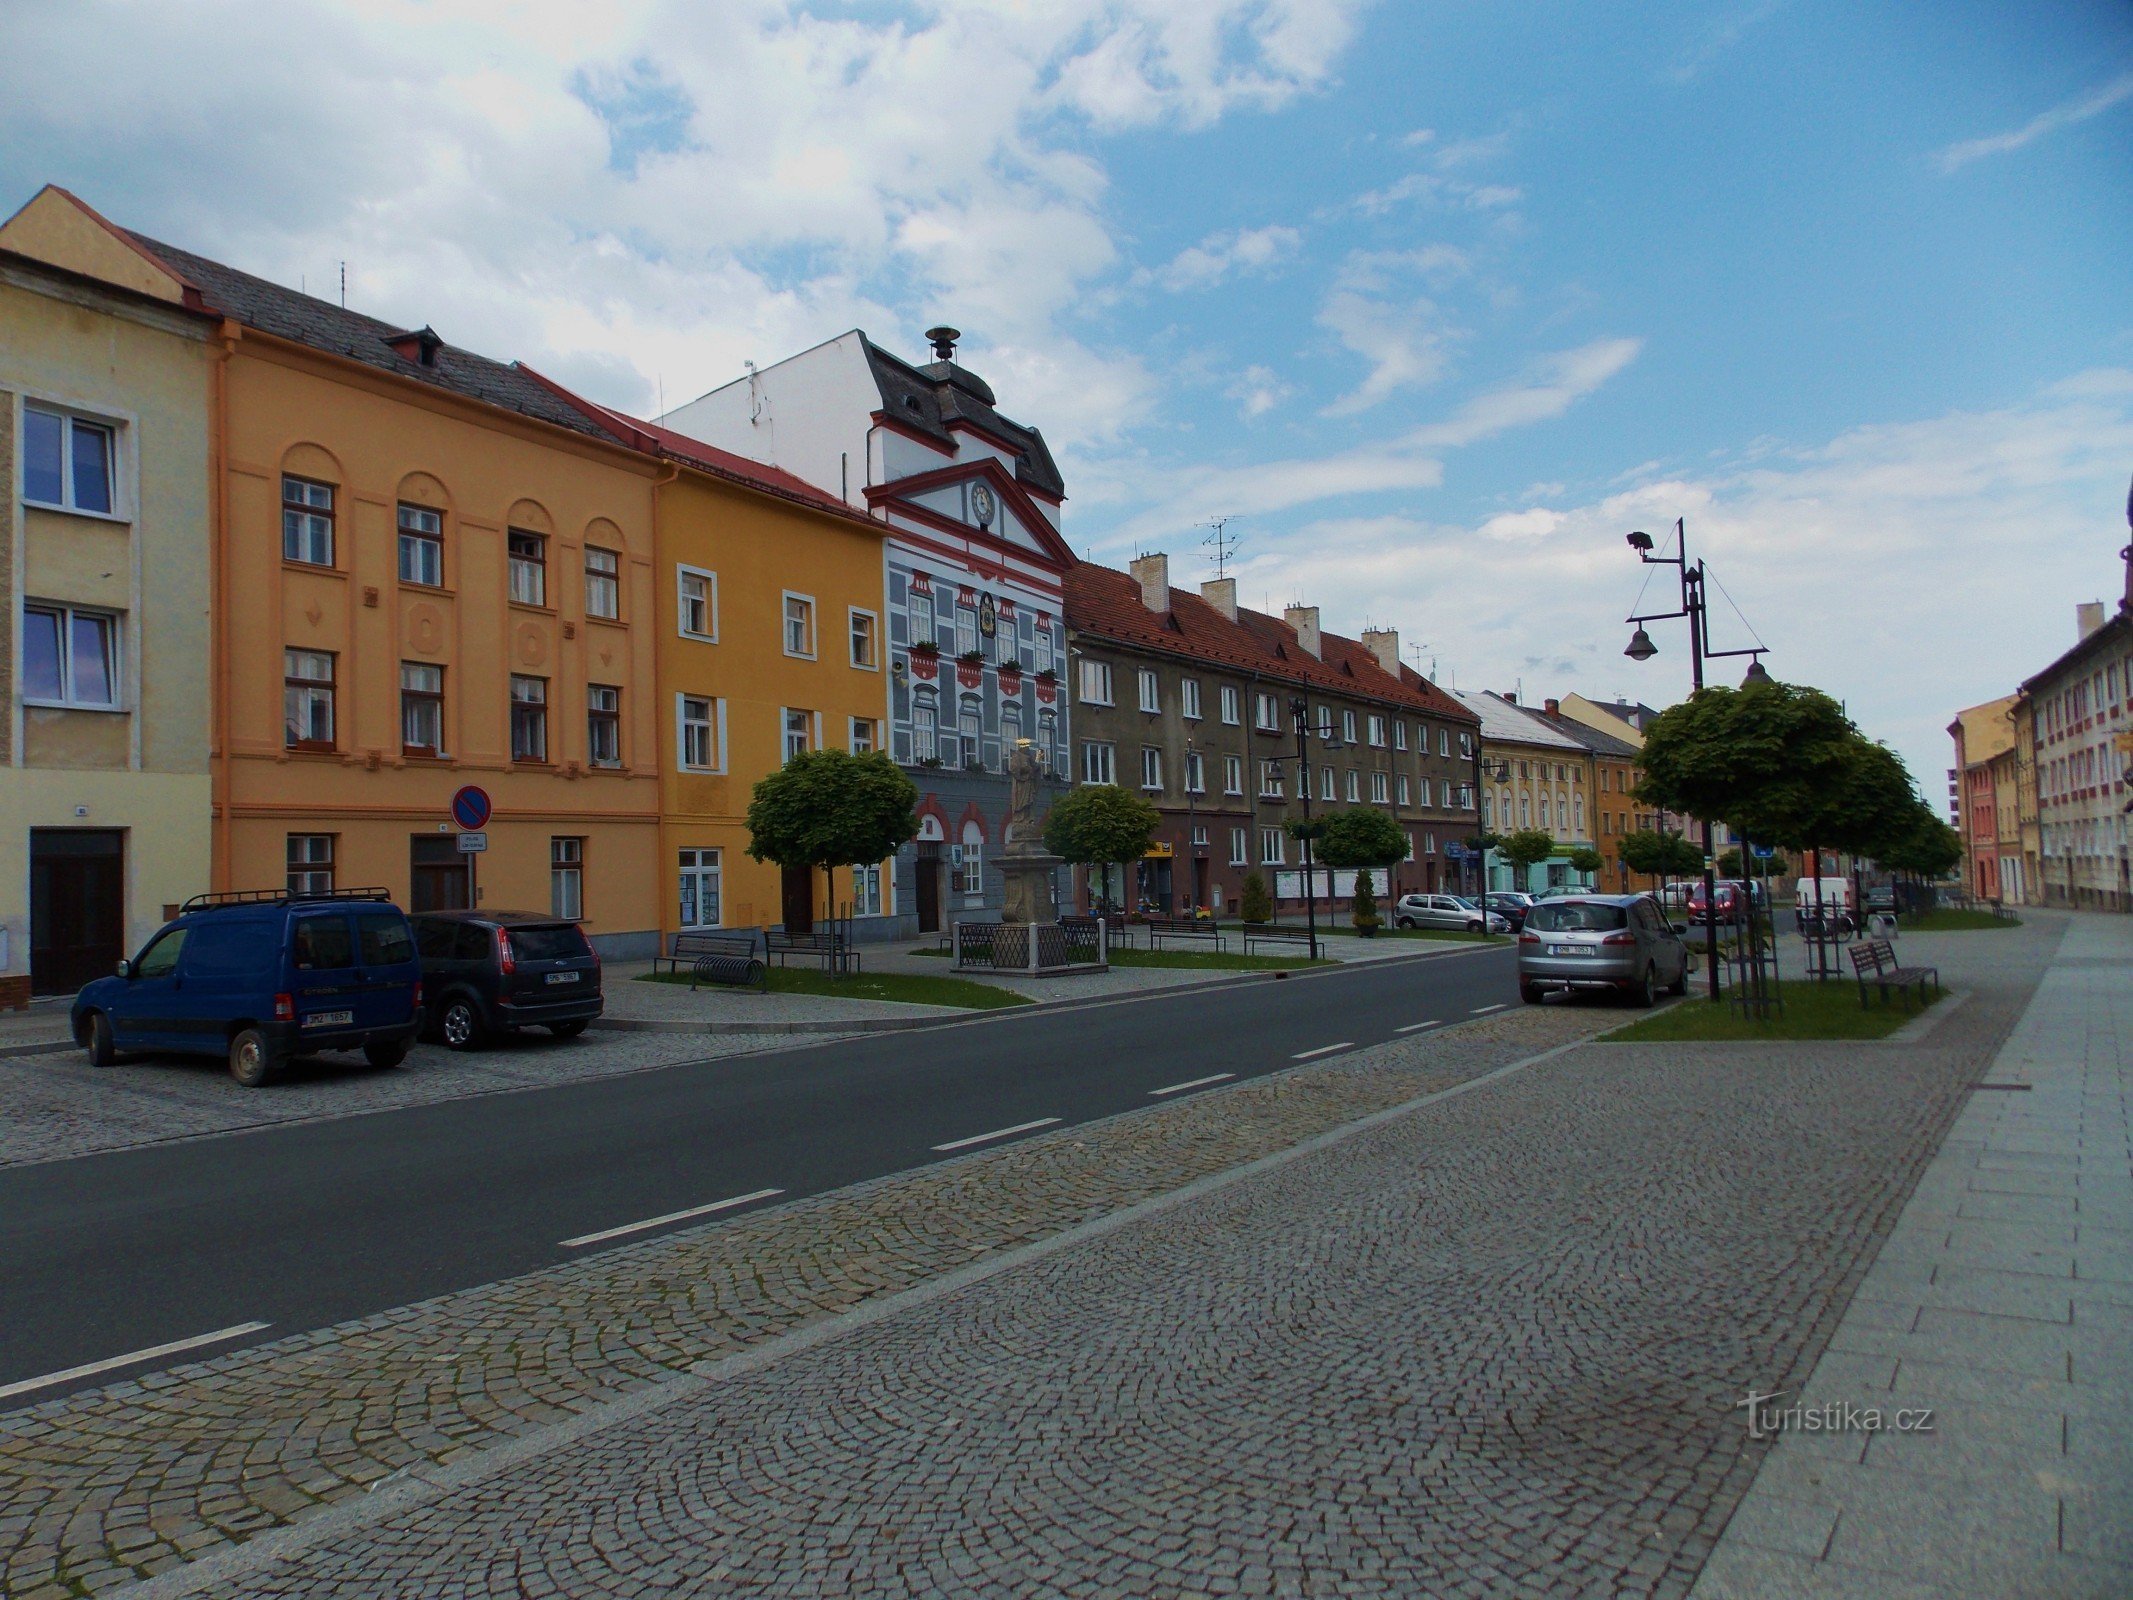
{"points": [[654, 440], [1107, 603]]}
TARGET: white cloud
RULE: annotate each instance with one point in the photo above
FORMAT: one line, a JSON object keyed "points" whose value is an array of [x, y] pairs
{"points": [[2079, 109], [1558, 383], [1257, 390], [1214, 258], [1402, 335]]}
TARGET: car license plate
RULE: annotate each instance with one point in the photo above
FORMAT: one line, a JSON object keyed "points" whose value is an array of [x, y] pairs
{"points": [[562, 977], [1569, 950], [329, 1019]]}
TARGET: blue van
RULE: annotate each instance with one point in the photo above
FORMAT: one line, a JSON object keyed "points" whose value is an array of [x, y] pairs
{"points": [[260, 976]]}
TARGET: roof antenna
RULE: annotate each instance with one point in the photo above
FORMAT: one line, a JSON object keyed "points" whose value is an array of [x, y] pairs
{"points": [[344, 286], [1223, 544]]}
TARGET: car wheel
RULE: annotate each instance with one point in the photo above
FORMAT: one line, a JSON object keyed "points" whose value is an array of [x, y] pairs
{"points": [[251, 1058], [1403, 922], [1473, 927], [383, 1054], [1681, 984], [568, 1030], [1640, 992], [102, 1053], [460, 1024], [1530, 993]]}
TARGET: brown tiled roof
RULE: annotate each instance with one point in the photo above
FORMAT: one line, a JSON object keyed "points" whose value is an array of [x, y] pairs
{"points": [[1107, 603]]}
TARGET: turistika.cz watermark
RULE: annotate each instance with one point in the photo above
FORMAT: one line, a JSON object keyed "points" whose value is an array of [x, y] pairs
{"points": [[1767, 1418]]}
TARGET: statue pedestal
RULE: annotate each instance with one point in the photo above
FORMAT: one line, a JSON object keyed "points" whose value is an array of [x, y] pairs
{"points": [[1028, 938], [1029, 886]]}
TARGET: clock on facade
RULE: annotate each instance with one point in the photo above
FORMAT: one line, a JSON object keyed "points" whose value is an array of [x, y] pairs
{"points": [[983, 504]]}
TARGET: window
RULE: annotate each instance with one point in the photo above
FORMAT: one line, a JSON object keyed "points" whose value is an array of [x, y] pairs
{"points": [[1406, 789], [1232, 705], [1325, 722], [970, 727], [1044, 644], [603, 583], [862, 737], [1151, 691], [1099, 758], [306, 522], [866, 891], [1239, 842], [1151, 767], [925, 626], [1273, 846], [1425, 790], [798, 732], [1233, 774], [1095, 683], [866, 640], [566, 877], [307, 699], [70, 657], [1270, 779], [1326, 790], [1399, 734], [925, 730], [1444, 741], [1199, 836], [1267, 712], [973, 860], [699, 741], [1010, 724], [528, 554], [1195, 773], [529, 718], [1377, 730], [697, 592], [68, 462], [603, 724], [1354, 786], [1466, 747], [421, 709], [310, 863], [799, 626], [966, 627], [1380, 788], [1348, 727], [421, 546], [699, 889], [1189, 698]]}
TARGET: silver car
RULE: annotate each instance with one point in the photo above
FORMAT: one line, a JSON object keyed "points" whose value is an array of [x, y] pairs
{"points": [[1622, 943], [1444, 911]]}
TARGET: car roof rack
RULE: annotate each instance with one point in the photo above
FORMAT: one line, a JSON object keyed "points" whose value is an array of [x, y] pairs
{"points": [[278, 897]]}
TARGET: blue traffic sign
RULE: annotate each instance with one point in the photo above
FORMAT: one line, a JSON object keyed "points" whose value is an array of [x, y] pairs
{"points": [[1763, 852], [470, 807]]}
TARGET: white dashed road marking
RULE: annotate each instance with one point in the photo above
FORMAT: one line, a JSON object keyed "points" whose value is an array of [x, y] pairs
{"points": [[997, 1133], [1323, 1050], [1194, 1083], [1482, 1011], [671, 1216], [1412, 1026], [111, 1363]]}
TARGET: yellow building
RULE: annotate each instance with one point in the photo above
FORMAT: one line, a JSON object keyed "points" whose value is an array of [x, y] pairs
{"points": [[430, 574], [769, 597], [107, 368]]}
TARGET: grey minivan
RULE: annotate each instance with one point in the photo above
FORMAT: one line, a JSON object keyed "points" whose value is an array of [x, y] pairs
{"points": [[1622, 943]]}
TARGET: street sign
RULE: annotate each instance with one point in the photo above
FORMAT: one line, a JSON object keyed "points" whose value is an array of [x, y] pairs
{"points": [[1763, 852], [473, 844], [470, 807], [1455, 852]]}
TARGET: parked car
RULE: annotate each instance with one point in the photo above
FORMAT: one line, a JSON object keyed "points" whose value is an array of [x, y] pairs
{"points": [[1734, 896], [259, 976], [1621, 943], [493, 972], [1445, 911], [1511, 905]]}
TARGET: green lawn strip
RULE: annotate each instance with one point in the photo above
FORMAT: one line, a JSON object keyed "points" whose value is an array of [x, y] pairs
{"points": [[1458, 934], [1812, 1011], [903, 988], [1953, 922], [1217, 960]]}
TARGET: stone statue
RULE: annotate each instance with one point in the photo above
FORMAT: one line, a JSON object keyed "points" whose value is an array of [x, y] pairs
{"points": [[1025, 772]]}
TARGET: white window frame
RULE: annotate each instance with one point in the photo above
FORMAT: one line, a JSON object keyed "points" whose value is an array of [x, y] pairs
{"points": [[1376, 727], [596, 577], [1189, 699], [1195, 772], [1151, 689], [69, 419], [853, 729], [1405, 789], [1444, 742], [1347, 726], [872, 889], [1271, 780], [1094, 682], [1233, 774], [1240, 847], [1273, 847], [692, 864], [114, 654], [807, 622], [971, 880], [714, 739], [810, 728], [1152, 768], [683, 572], [1354, 787], [1266, 712], [1380, 788], [533, 568], [851, 634], [1232, 699], [566, 872], [1099, 761], [1399, 733], [925, 727], [426, 541]]}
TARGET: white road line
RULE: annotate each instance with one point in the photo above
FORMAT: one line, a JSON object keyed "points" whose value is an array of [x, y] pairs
{"points": [[153, 1351], [997, 1133], [672, 1216], [1323, 1050], [1482, 1011], [1194, 1083], [1412, 1026]]}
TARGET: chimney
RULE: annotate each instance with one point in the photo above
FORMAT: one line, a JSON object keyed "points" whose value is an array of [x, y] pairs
{"points": [[1304, 619], [2088, 617], [1152, 573], [1384, 643], [1510, 695], [1555, 707], [1221, 593]]}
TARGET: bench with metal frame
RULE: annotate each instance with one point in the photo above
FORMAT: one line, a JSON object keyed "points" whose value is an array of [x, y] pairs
{"points": [[1194, 930], [1874, 962], [725, 956], [1259, 933], [825, 948]]}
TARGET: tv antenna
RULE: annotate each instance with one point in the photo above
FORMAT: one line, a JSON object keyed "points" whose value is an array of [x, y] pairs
{"points": [[1219, 540]]}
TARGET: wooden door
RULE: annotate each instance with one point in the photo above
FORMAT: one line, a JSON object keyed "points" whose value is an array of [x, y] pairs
{"points": [[929, 886], [77, 906], [437, 874], [799, 899]]}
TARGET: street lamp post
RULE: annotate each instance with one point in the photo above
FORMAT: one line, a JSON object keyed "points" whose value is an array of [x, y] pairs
{"points": [[1499, 771], [1641, 648], [1192, 835]]}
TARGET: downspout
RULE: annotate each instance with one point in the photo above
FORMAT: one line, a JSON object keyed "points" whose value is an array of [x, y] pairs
{"points": [[219, 587], [662, 843]]}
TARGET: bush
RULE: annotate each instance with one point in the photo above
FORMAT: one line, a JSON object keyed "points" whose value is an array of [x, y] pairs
{"points": [[1363, 910], [1255, 904]]}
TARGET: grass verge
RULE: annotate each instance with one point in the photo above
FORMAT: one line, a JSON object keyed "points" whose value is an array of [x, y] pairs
{"points": [[1950, 921], [1215, 960], [1812, 1011], [897, 986]]}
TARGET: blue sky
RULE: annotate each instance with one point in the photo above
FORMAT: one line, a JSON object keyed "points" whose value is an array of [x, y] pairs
{"points": [[1440, 300]]}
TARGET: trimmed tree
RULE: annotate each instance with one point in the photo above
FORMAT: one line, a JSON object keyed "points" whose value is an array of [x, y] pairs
{"points": [[1362, 839], [1587, 860], [830, 809], [1526, 848], [1255, 904], [1664, 856], [1099, 824]]}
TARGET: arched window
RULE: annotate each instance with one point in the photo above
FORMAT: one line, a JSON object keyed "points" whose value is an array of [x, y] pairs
{"points": [[972, 881]]}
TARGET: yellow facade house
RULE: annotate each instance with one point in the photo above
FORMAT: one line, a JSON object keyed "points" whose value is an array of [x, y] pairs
{"points": [[430, 574], [106, 374], [769, 618]]}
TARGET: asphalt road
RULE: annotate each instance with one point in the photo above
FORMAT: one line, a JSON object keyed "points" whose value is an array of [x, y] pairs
{"points": [[306, 1225]]}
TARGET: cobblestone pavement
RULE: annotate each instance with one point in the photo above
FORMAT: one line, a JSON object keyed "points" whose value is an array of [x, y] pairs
{"points": [[55, 1106], [1489, 1346]]}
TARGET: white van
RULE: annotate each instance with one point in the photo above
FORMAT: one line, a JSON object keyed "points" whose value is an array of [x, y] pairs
{"points": [[1836, 893]]}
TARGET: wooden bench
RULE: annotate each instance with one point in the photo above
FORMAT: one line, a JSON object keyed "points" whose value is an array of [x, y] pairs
{"points": [[1874, 962], [820, 946], [728, 957], [1193, 930], [1256, 934]]}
